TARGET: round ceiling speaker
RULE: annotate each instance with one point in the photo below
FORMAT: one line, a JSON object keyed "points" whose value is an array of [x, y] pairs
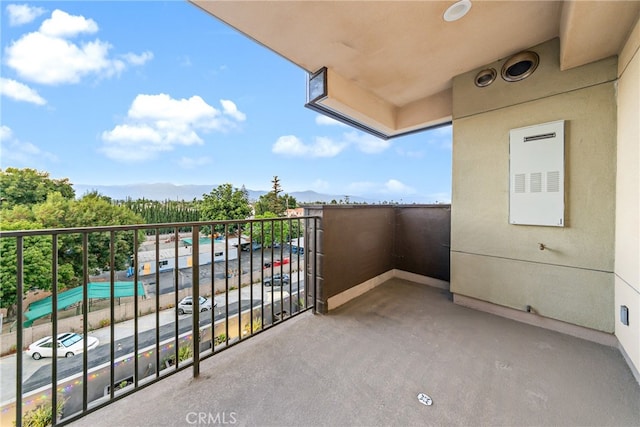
{"points": [[520, 66], [485, 77]]}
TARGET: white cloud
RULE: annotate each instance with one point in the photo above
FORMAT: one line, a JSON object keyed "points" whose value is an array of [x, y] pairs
{"points": [[291, 145], [367, 143], [47, 56], [230, 109], [63, 25], [393, 186], [20, 14], [141, 59], [5, 133], [21, 154], [159, 123], [191, 163], [20, 92], [322, 120]]}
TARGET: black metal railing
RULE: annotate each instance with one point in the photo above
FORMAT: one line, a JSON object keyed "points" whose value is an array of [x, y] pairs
{"points": [[253, 274]]}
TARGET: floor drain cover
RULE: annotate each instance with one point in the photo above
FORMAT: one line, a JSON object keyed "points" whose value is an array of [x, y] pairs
{"points": [[424, 399]]}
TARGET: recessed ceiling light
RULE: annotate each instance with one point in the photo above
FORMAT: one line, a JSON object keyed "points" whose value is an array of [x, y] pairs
{"points": [[457, 10]]}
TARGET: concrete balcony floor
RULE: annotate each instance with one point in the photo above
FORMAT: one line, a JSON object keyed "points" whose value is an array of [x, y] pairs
{"points": [[365, 363]]}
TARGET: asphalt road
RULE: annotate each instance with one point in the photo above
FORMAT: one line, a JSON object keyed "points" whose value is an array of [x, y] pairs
{"points": [[38, 372]]}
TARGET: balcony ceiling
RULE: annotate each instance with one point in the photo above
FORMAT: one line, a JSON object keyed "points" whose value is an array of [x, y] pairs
{"points": [[391, 63]]}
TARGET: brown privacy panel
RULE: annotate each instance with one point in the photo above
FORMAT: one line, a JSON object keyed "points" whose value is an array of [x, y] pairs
{"points": [[423, 240], [362, 242]]}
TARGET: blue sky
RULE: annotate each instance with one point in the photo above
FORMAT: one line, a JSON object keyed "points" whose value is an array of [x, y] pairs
{"points": [[115, 93]]}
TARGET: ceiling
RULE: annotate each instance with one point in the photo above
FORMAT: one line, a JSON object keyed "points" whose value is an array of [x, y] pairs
{"points": [[391, 63]]}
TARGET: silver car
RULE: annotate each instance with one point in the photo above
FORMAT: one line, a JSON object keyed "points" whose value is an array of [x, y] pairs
{"points": [[186, 305]]}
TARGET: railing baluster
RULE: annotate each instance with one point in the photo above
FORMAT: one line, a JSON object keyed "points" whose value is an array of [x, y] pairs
{"points": [[272, 270], [195, 317], [135, 313], [157, 305], [54, 332], [262, 273], [19, 336], [85, 318], [251, 275], [315, 263], [289, 238], [112, 313], [175, 302], [226, 283], [238, 253]]}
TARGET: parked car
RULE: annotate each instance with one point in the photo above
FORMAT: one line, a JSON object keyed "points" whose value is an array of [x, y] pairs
{"points": [[69, 344], [276, 280], [186, 305], [276, 263]]}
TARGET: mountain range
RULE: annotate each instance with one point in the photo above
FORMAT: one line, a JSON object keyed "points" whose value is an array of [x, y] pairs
{"points": [[168, 191]]}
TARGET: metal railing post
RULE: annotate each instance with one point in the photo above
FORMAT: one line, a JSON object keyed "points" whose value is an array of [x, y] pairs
{"points": [[195, 331]]}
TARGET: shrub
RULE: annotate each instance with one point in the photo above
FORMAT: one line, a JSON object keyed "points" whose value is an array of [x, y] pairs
{"points": [[220, 339], [257, 325], [184, 352], [41, 416]]}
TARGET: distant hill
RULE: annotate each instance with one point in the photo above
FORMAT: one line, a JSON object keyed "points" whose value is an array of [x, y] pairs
{"points": [[168, 191]]}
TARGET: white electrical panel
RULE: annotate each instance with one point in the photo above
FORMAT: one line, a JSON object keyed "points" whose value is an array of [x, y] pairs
{"points": [[536, 175]]}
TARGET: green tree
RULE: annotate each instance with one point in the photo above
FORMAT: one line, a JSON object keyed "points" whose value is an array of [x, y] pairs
{"points": [[273, 202], [274, 197], [268, 232], [57, 211], [225, 203], [54, 212], [29, 187], [36, 263], [94, 210]]}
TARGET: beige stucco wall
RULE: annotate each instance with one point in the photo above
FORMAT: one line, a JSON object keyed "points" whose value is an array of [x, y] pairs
{"points": [[494, 261], [627, 249]]}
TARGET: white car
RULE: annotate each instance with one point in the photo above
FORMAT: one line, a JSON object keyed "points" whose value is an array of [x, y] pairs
{"points": [[186, 305], [69, 344]]}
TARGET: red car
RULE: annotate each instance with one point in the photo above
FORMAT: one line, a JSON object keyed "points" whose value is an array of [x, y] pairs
{"points": [[276, 263]]}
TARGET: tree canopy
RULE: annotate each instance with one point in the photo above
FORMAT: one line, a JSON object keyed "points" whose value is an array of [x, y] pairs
{"points": [[29, 187], [225, 203], [24, 208]]}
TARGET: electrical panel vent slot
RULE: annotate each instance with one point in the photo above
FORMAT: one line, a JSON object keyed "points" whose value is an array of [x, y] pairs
{"points": [[539, 137], [553, 182], [536, 182], [520, 180]]}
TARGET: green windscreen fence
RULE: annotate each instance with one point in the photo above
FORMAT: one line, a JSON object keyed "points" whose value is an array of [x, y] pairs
{"points": [[96, 290]]}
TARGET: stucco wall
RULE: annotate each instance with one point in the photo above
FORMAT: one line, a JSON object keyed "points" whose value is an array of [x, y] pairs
{"points": [[492, 260], [627, 250]]}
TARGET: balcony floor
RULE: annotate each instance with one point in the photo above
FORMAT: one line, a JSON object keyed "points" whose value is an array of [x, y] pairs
{"points": [[365, 363]]}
